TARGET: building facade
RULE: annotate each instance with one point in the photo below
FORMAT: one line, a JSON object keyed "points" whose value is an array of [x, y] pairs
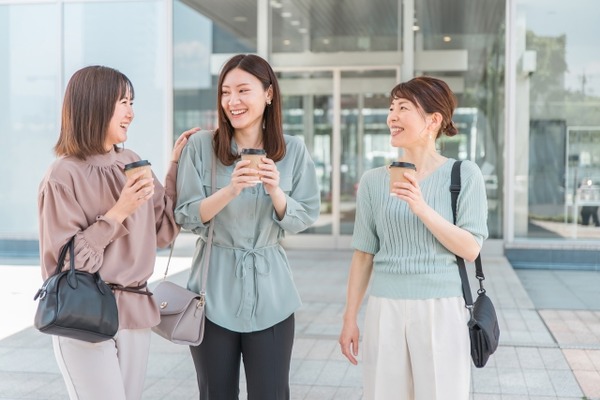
{"points": [[526, 74]]}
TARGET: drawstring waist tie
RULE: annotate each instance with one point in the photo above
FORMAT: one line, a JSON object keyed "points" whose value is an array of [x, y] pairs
{"points": [[256, 260], [141, 289]]}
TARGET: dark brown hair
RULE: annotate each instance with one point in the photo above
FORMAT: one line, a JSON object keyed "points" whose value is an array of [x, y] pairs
{"points": [[273, 141], [89, 104], [431, 95]]}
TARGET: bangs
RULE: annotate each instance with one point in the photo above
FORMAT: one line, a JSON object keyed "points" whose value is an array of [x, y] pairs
{"points": [[403, 91], [125, 86]]}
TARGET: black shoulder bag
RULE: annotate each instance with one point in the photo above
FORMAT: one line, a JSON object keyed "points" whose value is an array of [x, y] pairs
{"points": [[483, 324], [76, 304]]}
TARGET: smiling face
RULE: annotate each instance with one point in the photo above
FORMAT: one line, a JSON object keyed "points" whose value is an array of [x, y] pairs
{"points": [[407, 123], [243, 100], [119, 122]]}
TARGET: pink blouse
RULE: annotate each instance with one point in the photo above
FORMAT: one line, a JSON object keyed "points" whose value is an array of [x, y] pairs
{"points": [[73, 198]]}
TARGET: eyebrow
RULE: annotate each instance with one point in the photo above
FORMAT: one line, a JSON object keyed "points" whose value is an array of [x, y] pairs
{"points": [[241, 84], [400, 101]]}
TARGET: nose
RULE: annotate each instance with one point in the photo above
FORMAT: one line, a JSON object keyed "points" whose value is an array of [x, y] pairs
{"points": [[233, 99]]}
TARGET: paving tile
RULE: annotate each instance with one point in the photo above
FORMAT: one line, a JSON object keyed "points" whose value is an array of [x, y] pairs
{"points": [[332, 374], [564, 383], [553, 359], [308, 372], [485, 380], [530, 358], [478, 396], [322, 350], [506, 357], [586, 367], [298, 392], [302, 347], [321, 393], [579, 359], [512, 381], [538, 382], [353, 376], [589, 382], [348, 393]]}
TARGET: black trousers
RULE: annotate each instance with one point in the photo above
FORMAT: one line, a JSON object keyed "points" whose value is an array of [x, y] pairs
{"points": [[266, 355], [588, 212]]}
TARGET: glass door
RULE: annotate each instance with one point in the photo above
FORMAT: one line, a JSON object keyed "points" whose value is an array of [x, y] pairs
{"points": [[341, 116]]}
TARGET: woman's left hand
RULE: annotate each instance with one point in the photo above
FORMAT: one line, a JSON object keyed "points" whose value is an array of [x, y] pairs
{"points": [[269, 175], [411, 193], [180, 144]]}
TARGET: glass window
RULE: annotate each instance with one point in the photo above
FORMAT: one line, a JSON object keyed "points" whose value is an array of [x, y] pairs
{"points": [[558, 126], [195, 95], [307, 114], [205, 33], [233, 24], [29, 79], [130, 37], [446, 32]]}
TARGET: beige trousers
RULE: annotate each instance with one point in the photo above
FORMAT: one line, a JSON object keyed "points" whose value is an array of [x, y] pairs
{"points": [[416, 349], [114, 369]]}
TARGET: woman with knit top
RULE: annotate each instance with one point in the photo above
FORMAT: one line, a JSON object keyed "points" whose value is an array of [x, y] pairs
{"points": [[415, 340]]}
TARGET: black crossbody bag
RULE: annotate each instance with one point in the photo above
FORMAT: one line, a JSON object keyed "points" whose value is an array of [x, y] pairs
{"points": [[483, 324]]}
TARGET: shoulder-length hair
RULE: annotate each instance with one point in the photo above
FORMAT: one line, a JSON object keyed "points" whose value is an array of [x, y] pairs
{"points": [[431, 95], [89, 104], [273, 141]]}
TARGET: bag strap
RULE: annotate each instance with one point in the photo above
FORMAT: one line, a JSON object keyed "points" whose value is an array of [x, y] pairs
{"points": [[455, 185], [211, 227], [62, 255]]}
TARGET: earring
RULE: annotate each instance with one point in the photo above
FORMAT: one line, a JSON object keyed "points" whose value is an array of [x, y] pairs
{"points": [[268, 102]]}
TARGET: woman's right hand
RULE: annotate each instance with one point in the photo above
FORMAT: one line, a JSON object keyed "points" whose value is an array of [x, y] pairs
{"points": [[137, 191], [242, 177], [349, 340]]}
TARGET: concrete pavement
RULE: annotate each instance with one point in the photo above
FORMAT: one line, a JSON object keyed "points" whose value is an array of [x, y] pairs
{"points": [[549, 347]]}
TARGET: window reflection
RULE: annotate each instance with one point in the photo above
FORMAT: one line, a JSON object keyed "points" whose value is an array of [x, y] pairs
{"points": [[559, 88], [28, 113]]}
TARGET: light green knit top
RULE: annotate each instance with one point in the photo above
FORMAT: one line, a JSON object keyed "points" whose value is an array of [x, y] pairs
{"points": [[409, 262]]}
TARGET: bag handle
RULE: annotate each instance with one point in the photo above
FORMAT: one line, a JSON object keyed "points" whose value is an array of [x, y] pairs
{"points": [[455, 186], [63, 254], [211, 227]]}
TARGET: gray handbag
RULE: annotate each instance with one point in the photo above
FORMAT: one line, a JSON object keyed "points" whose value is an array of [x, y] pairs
{"points": [[181, 310]]}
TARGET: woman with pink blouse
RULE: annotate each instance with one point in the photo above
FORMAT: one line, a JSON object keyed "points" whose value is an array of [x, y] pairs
{"points": [[117, 222]]}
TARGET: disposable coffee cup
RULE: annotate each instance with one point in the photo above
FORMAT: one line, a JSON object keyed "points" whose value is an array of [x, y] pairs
{"points": [[254, 155], [134, 167], [397, 170]]}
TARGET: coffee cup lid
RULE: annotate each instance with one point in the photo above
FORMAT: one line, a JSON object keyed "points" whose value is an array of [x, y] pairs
{"points": [[400, 164], [141, 163], [254, 151]]}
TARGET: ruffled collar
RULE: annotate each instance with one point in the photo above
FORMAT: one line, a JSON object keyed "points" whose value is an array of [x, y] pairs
{"points": [[103, 160]]}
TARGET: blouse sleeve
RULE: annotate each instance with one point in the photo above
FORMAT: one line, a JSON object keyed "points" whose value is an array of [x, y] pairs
{"points": [[164, 204], [60, 218], [304, 199], [365, 236], [190, 186]]}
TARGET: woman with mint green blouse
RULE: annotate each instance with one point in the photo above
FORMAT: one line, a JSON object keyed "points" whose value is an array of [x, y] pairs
{"points": [[250, 292], [415, 341]]}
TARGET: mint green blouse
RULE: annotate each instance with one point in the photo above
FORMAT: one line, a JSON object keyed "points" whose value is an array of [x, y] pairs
{"points": [[409, 262], [250, 285]]}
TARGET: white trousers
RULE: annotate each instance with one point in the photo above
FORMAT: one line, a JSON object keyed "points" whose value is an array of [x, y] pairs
{"points": [[416, 349], [114, 369]]}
